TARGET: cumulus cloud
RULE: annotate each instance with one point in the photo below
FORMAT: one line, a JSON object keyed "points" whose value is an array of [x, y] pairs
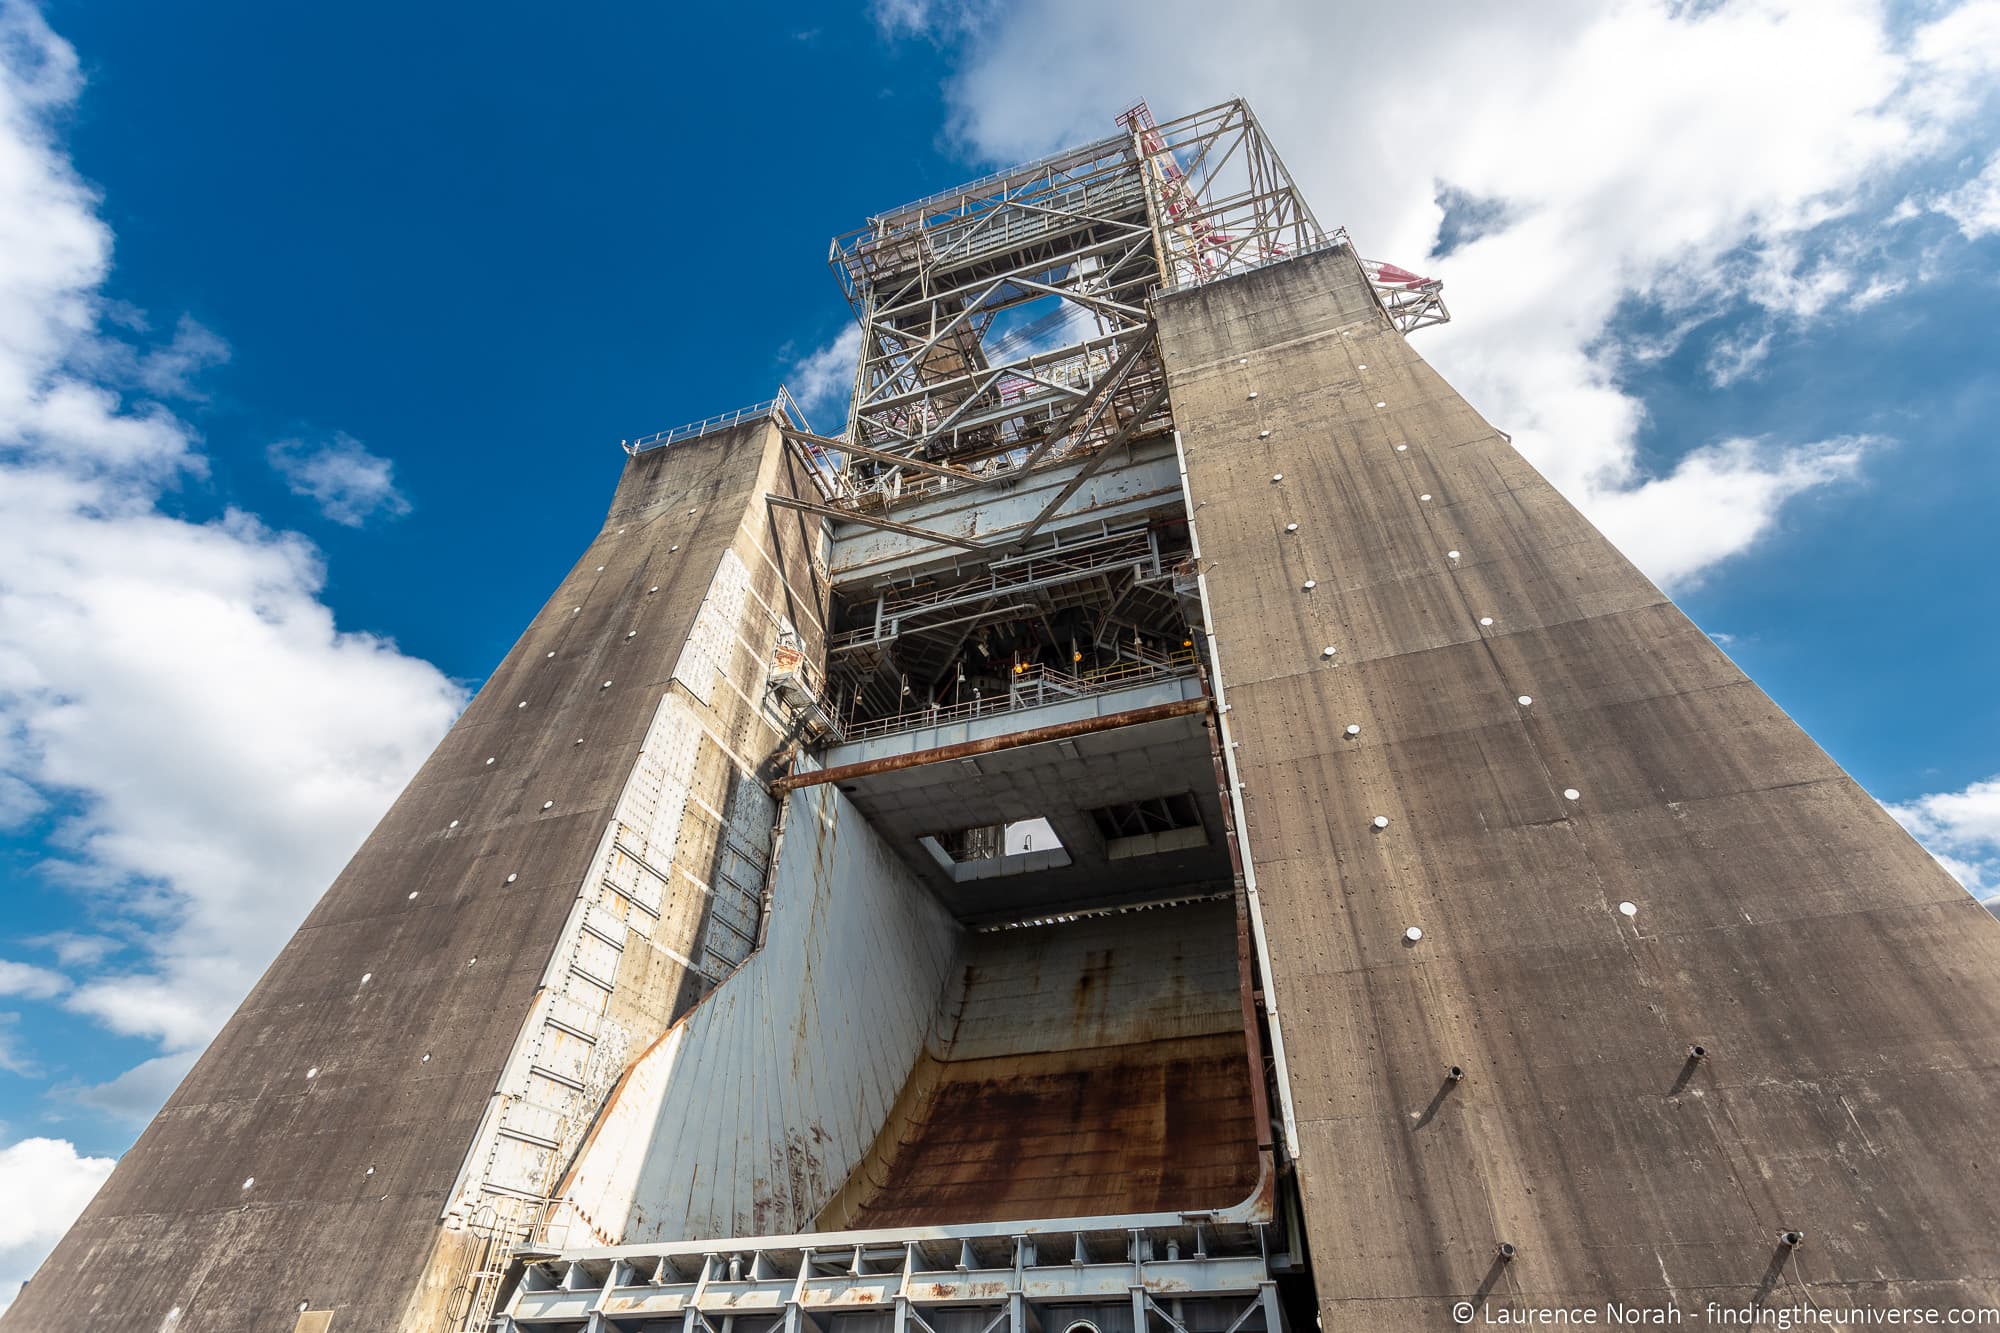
{"points": [[171, 371], [213, 743], [1975, 205], [1573, 158], [348, 483], [46, 1184], [140, 1091], [824, 381], [25, 981], [1962, 829]]}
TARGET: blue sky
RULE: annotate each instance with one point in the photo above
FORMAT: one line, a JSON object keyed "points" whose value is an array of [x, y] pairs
{"points": [[319, 329]]}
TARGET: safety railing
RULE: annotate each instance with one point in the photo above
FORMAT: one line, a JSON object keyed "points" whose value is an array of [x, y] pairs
{"points": [[784, 408], [1031, 687]]}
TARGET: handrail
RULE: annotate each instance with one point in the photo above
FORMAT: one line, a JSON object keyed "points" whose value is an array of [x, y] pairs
{"points": [[1030, 688], [784, 409]]}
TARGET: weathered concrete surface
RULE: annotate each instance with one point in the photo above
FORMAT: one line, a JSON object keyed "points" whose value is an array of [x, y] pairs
{"points": [[451, 971], [1076, 1069], [1847, 990]]}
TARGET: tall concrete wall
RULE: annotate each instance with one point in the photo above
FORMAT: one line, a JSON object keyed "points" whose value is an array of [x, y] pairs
{"points": [[747, 1116], [1590, 747], [307, 1158]]}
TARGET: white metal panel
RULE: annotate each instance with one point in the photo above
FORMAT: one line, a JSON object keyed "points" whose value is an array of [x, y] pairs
{"points": [[776, 1085]]}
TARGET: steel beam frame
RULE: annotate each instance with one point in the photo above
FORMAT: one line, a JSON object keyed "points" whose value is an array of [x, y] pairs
{"points": [[1188, 1274], [1098, 228]]}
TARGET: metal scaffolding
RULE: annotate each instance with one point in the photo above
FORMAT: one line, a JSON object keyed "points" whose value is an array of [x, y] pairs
{"points": [[1004, 323]]}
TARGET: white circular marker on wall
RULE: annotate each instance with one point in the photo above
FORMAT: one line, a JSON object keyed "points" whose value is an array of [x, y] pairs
{"points": [[1402, 448], [1253, 393], [1425, 497], [512, 878], [1486, 620], [313, 1072], [1381, 821], [600, 569], [1572, 794], [413, 895], [1277, 476], [1381, 404], [1328, 651], [1413, 934], [453, 824], [1628, 909], [1354, 728], [489, 759], [1524, 700], [632, 634], [367, 977], [1291, 527], [1310, 584], [248, 1181], [548, 805], [1364, 365], [654, 588]]}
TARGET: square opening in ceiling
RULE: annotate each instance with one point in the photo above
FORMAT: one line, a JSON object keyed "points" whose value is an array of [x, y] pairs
{"points": [[986, 851]]}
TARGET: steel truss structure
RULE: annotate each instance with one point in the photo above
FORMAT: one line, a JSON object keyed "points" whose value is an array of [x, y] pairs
{"points": [[1004, 323], [1097, 603], [1150, 1274]]}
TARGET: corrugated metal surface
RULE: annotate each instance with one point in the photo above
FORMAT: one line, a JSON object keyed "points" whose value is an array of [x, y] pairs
{"points": [[1847, 990], [747, 1117], [1091, 1067]]}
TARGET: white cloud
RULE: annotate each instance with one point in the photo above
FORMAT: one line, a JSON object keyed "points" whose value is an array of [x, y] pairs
{"points": [[46, 1184], [824, 381], [219, 744], [74, 950], [171, 371], [1718, 501], [1975, 205], [349, 484], [1962, 829], [1702, 158], [138, 1092], [13, 1058], [25, 981]]}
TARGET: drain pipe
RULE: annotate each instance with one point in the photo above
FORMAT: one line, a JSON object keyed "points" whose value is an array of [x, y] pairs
{"points": [[1235, 794]]}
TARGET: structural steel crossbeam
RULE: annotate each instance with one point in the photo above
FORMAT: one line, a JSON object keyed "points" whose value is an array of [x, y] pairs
{"points": [[900, 460], [1174, 204], [992, 744], [1213, 1274], [1089, 469], [873, 521]]}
